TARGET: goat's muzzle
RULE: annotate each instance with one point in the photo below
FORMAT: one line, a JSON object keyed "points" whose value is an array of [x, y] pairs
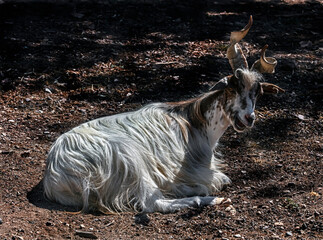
{"points": [[241, 124]]}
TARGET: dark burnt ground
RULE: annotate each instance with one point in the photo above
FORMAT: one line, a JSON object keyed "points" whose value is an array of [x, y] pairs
{"points": [[63, 64]]}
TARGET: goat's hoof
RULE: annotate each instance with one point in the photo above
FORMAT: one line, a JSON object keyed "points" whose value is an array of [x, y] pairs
{"points": [[225, 202]]}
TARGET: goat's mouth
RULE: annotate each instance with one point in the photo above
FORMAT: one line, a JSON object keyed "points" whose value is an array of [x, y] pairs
{"points": [[239, 125]]}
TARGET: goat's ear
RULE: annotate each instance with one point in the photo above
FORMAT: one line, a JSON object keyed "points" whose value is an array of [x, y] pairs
{"points": [[238, 73], [220, 85], [269, 88]]}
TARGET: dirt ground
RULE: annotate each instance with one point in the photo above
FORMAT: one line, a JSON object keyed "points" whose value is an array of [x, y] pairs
{"points": [[62, 64]]}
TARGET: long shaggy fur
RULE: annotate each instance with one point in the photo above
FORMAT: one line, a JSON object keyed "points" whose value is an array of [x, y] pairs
{"points": [[132, 160]]}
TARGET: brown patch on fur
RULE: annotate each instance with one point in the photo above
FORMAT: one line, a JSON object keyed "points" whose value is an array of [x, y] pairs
{"points": [[194, 109], [168, 120], [183, 125], [161, 169]]}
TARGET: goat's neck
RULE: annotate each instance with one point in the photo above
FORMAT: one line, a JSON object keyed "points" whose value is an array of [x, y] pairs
{"points": [[206, 114], [216, 123]]}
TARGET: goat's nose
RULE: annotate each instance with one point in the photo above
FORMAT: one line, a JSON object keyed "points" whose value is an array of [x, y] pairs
{"points": [[250, 117]]}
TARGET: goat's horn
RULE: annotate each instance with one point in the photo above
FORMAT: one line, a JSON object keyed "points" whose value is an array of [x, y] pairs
{"points": [[265, 64], [234, 52]]}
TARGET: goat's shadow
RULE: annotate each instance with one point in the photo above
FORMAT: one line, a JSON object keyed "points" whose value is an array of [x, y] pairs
{"points": [[36, 197]]}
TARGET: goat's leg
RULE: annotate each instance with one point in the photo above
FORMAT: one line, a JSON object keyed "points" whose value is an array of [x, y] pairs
{"points": [[172, 205]]}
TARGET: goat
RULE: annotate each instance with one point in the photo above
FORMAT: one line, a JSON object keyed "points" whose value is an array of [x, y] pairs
{"points": [[160, 157]]}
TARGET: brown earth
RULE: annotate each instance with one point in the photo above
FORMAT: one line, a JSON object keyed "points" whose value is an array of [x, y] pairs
{"points": [[65, 63]]}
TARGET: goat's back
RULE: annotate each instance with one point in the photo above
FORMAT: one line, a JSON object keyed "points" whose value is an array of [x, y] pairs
{"points": [[105, 162]]}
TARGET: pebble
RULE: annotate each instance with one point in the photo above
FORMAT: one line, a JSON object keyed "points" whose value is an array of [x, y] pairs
{"points": [[279, 165], [48, 90], [237, 236], [1, 221], [275, 237], [231, 209], [300, 117], [286, 191], [289, 234], [279, 224]]}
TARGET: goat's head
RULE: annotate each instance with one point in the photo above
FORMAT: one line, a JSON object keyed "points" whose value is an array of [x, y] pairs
{"points": [[242, 89]]}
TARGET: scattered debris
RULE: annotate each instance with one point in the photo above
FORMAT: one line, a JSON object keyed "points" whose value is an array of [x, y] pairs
{"points": [[65, 64]]}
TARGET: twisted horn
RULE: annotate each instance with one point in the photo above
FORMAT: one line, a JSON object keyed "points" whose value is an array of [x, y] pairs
{"points": [[234, 52], [265, 64]]}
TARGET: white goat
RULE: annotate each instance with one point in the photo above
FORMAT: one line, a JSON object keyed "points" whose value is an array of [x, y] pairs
{"points": [[159, 158]]}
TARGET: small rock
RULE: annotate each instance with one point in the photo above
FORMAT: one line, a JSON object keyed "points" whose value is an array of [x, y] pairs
{"points": [[85, 234], [289, 234], [300, 117], [1, 221], [279, 165], [48, 90], [231, 209], [286, 192], [279, 224], [314, 194], [237, 236], [66, 224], [82, 226], [275, 236]]}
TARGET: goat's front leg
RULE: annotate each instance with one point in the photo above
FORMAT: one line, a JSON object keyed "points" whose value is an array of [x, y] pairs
{"points": [[173, 205]]}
